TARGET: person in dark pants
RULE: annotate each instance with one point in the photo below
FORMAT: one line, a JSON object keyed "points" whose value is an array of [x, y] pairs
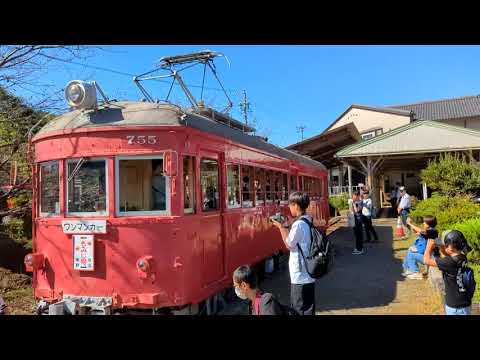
{"points": [[358, 225], [367, 207], [302, 290]]}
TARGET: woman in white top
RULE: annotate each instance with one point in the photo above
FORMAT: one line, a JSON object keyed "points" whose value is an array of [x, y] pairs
{"points": [[367, 208], [302, 288]]}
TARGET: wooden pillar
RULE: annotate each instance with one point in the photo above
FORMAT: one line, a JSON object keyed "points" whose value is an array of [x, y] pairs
{"points": [[340, 175], [349, 169]]}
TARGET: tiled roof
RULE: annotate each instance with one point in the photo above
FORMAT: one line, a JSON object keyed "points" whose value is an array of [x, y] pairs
{"points": [[454, 108]]}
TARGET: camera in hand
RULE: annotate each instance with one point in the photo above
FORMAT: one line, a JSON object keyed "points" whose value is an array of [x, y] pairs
{"points": [[279, 218]]}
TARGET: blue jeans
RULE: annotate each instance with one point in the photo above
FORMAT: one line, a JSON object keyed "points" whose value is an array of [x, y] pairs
{"points": [[404, 214], [411, 260], [458, 311]]}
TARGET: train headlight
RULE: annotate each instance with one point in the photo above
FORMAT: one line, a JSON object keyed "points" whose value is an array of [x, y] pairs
{"points": [[81, 94], [145, 267], [34, 262]]}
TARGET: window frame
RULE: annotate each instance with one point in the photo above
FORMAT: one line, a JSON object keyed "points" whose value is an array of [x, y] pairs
{"points": [[251, 175], [219, 182], [190, 211], [104, 213], [48, 214], [239, 205], [119, 213], [262, 180]]}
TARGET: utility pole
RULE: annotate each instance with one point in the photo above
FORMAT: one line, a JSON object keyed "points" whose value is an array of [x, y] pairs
{"points": [[245, 107], [300, 129]]}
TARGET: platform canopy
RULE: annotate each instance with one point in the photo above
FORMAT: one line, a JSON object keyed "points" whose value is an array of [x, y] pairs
{"points": [[409, 147], [324, 146]]}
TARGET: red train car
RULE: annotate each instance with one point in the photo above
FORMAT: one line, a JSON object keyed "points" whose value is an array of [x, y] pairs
{"points": [[147, 206]]}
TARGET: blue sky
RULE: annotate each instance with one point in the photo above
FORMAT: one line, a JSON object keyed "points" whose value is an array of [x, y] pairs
{"points": [[290, 86]]}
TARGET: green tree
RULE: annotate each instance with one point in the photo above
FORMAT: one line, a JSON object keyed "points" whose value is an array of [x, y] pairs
{"points": [[451, 175]]}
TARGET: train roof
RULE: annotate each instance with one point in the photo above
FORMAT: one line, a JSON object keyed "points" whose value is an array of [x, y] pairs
{"points": [[123, 113]]}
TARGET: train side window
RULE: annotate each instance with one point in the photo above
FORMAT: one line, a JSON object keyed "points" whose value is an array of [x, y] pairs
{"points": [[86, 187], [49, 189], [143, 188], [300, 183], [269, 186], [209, 181], [247, 186], [259, 187], [188, 184], [233, 186], [277, 185], [285, 187], [293, 183]]}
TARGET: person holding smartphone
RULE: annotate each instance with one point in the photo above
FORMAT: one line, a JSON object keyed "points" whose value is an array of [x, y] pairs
{"points": [[302, 288]]}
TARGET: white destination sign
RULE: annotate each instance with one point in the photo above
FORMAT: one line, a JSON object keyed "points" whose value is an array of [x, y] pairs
{"points": [[84, 226], [83, 253]]}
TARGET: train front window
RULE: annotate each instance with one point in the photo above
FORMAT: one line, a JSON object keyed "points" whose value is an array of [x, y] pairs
{"points": [[86, 190], [143, 187], [209, 181], [49, 189]]}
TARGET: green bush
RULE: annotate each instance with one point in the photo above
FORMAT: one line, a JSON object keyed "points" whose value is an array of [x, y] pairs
{"points": [[476, 296], [19, 231], [447, 210], [452, 175], [471, 230], [339, 202]]}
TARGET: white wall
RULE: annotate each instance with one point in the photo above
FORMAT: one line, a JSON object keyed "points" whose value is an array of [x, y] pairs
{"points": [[367, 119]]}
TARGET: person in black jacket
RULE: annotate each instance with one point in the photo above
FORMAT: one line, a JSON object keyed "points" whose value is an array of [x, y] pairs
{"points": [[245, 284]]}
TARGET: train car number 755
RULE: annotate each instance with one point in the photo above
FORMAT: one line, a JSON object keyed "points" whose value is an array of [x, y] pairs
{"points": [[141, 139]]}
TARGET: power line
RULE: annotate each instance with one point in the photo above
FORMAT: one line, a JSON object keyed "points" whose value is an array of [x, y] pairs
{"points": [[124, 73]]}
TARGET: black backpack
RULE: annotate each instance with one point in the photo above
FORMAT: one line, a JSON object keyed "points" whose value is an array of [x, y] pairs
{"points": [[321, 254]]}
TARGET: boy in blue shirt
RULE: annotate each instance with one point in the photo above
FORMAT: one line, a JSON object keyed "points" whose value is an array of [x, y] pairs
{"points": [[416, 251]]}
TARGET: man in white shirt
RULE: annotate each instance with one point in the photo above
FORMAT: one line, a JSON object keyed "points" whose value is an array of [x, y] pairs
{"points": [[404, 206], [302, 288]]}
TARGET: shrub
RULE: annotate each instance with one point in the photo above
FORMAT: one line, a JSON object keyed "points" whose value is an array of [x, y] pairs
{"points": [[471, 230], [19, 230], [452, 175], [339, 202], [448, 210]]}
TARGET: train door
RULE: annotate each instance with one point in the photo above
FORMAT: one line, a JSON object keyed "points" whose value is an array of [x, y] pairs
{"points": [[211, 230]]}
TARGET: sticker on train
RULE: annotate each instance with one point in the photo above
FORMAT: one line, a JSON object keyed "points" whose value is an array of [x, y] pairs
{"points": [[83, 252], [84, 226]]}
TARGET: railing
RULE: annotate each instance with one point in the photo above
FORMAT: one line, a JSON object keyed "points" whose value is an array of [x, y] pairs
{"points": [[339, 190]]}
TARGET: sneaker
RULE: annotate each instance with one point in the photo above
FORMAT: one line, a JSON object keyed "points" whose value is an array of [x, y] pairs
{"points": [[356, 252], [415, 276], [407, 272]]}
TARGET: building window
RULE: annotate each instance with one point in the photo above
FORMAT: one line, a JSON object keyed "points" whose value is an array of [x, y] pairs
{"points": [[86, 187], [233, 186], [378, 132], [368, 135], [247, 186], [143, 188], [189, 184], [209, 182], [49, 189]]}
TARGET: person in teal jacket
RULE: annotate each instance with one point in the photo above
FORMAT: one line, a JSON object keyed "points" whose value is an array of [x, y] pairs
{"points": [[415, 252]]}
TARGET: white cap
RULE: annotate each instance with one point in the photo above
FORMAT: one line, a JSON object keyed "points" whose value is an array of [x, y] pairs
{"points": [[401, 188]]}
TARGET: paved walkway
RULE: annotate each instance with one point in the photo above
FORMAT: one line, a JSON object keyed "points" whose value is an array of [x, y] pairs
{"points": [[365, 284]]}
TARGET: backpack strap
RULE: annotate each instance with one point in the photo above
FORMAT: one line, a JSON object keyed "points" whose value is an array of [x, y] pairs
{"points": [[310, 224]]}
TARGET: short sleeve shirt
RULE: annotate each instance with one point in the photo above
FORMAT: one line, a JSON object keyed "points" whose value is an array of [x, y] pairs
{"points": [[449, 267], [299, 234], [405, 202]]}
